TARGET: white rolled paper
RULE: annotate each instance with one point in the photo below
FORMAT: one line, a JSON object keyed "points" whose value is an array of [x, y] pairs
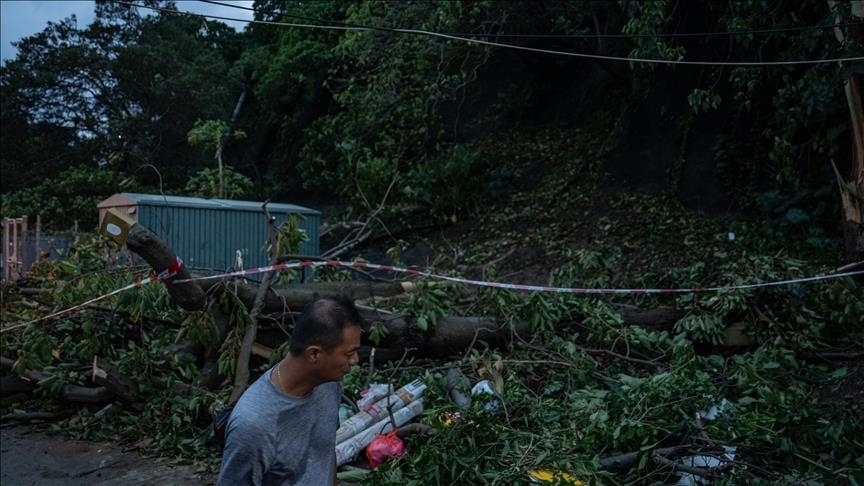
{"points": [[378, 410], [347, 450]]}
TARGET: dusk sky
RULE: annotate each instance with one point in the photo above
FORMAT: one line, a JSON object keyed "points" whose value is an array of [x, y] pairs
{"points": [[19, 18]]}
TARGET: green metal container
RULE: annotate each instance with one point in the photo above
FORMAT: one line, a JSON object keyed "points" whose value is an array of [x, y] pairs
{"points": [[209, 233]]}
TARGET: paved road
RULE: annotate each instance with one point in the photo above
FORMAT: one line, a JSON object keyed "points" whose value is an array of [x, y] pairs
{"points": [[29, 457]]}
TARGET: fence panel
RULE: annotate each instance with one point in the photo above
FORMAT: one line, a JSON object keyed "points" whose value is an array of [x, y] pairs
{"points": [[21, 249]]}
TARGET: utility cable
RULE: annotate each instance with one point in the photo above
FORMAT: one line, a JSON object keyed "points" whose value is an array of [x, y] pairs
{"points": [[506, 46], [551, 36]]}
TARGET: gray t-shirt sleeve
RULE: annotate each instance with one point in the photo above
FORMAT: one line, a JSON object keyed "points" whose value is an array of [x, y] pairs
{"points": [[247, 456]]}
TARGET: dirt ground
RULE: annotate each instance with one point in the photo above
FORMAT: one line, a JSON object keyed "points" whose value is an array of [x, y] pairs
{"points": [[29, 457]]}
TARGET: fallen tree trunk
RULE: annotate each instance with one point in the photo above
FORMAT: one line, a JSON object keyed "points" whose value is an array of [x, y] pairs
{"points": [[71, 393], [659, 318], [449, 335], [11, 385], [293, 298], [123, 387], [355, 289], [161, 257]]}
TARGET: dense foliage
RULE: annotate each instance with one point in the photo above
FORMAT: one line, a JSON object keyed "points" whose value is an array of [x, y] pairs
{"points": [[567, 402], [345, 112], [529, 153]]}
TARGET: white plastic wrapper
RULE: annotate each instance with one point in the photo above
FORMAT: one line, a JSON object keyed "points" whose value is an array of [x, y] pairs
{"points": [[484, 387], [705, 462], [348, 449], [378, 410]]}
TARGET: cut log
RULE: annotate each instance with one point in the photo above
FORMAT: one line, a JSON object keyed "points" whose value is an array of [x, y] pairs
{"points": [[458, 388], [70, 393], [107, 375], [82, 394], [659, 318], [11, 385], [449, 335], [160, 257]]}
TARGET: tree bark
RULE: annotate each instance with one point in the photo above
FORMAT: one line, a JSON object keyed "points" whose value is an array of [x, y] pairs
{"points": [[852, 192], [11, 385], [107, 375], [659, 318], [71, 393], [160, 257], [451, 334], [294, 297]]}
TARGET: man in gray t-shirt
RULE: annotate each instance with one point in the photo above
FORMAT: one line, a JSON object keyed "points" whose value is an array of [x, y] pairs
{"points": [[282, 431]]}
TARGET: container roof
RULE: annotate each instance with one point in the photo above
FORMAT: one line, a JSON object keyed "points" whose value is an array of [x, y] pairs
{"points": [[197, 202]]}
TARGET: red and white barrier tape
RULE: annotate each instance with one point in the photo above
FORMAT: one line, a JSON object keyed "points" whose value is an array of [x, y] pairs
{"points": [[500, 285], [167, 275]]}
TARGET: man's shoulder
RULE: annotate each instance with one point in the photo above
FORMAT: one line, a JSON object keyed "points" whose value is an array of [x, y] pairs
{"points": [[256, 402], [329, 390], [332, 387]]}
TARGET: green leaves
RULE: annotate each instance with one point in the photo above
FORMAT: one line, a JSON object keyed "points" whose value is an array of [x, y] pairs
{"points": [[429, 303], [210, 134], [69, 195], [701, 100], [705, 328], [122, 91], [206, 184]]}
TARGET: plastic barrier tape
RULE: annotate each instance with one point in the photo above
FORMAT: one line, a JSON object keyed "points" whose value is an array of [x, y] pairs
{"points": [[167, 275]]}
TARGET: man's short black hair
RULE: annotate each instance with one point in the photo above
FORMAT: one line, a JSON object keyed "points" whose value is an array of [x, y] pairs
{"points": [[322, 322]]}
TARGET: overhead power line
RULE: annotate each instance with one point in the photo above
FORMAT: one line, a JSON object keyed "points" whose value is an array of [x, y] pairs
{"points": [[552, 36], [501, 45]]}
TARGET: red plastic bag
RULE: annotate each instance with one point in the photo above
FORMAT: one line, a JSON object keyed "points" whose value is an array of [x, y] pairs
{"points": [[384, 447]]}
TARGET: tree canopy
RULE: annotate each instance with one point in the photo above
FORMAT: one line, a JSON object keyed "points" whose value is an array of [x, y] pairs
{"points": [[584, 145], [344, 112]]}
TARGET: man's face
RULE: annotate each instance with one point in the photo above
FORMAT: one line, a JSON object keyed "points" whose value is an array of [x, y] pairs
{"points": [[335, 364]]}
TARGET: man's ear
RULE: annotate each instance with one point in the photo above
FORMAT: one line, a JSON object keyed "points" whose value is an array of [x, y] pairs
{"points": [[312, 353]]}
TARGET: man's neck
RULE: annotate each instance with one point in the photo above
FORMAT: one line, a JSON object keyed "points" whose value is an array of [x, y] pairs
{"points": [[292, 377]]}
